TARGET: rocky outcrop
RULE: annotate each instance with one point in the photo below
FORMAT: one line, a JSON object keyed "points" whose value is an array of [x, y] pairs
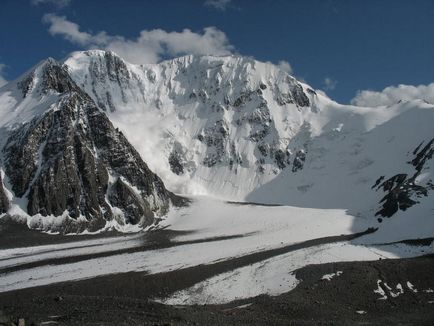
{"points": [[4, 202], [295, 95], [299, 159], [110, 68], [175, 162], [216, 138], [402, 190], [72, 161]]}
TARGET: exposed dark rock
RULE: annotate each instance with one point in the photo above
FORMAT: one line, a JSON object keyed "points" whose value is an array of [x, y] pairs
{"points": [[263, 149], [203, 96], [284, 98], [377, 182], [22, 152], [175, 163], [56, 78], [4, 202], [296, 95], [311, 91], [27, 84], [261, 115], [299, 96], [423, 155], [258, 135], [398, 196], [259, 119], [216, 139], [280, 158], [401, 190], [111, 67], [135, 208], [110, 102], [210, 160], [297, 164], [244, 97], [116, 68]]}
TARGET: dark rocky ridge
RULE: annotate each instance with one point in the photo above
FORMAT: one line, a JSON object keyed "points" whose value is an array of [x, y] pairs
{"points": [[4, 202], [72, 159], [401, 189]]}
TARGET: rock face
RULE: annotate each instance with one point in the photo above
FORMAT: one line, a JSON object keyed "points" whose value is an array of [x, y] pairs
{"points": [[4, 202], [402, 190], [71, 161]]}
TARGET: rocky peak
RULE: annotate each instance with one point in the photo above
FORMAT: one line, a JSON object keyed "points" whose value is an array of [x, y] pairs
{"points": [[47, 76], [71, 161]]}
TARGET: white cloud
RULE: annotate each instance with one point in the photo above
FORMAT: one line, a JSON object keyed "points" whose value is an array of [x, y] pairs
{"points": [[285, 66], [393, 94], [282, 65], [218, 4], [329, 84], [149, 47], [58, 3], [59, 25], [2, 79], [321, 92]]}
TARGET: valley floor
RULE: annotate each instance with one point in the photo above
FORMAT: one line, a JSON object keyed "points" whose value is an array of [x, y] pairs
{"points": [[349, 299], [221, 263]]}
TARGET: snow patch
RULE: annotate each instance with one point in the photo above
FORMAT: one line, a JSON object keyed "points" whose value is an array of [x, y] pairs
{"points": [[329, 277]]}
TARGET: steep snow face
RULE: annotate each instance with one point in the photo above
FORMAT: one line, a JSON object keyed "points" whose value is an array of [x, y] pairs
{"points": [[220, 125], [239, 129]]}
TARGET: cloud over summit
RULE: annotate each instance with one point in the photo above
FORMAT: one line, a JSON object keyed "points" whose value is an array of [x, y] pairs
{"points": [[149, 47], [393, 94]]}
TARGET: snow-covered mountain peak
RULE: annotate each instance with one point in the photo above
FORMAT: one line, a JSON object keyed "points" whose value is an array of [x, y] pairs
{"points": [[231, 114], [224, 125], [31, 94], [211, 72], [236, 128]]}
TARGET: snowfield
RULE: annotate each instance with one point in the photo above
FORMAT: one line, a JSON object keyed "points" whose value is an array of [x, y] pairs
{"points": [[211, 231], [276, 275]]}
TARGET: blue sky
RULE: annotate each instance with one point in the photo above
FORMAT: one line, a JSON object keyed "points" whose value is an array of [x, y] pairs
{"points": [[339, 46]]}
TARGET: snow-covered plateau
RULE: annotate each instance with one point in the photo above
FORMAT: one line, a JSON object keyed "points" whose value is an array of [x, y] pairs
{"points": [[231, 158]]}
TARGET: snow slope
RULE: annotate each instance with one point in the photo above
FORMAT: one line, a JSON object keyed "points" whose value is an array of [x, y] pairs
{"points": [[253, 230], [198, 231], [276, 275]]}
